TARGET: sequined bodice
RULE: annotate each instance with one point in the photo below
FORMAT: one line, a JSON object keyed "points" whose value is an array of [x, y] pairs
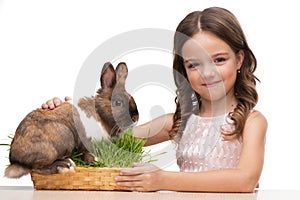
{"points": [[202, 147]]}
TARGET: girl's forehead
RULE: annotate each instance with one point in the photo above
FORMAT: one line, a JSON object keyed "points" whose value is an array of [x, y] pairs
{"points": [[204, 44]]}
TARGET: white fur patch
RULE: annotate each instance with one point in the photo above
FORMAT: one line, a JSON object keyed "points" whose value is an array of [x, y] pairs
{"points": [[93, 128], [71, 168], [63, 170], [15, 171]]}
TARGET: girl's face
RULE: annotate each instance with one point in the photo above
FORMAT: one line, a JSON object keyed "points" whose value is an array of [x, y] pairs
{"points": [[211, 66]]}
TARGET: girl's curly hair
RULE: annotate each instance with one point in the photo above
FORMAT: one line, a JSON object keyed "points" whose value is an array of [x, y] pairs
{"points": [[224, 25]]}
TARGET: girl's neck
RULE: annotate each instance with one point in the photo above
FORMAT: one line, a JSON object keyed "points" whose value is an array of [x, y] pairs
{"points": [[218, 107]]}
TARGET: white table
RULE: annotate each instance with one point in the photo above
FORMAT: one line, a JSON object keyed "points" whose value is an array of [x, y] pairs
{"points": [[28, 193]]}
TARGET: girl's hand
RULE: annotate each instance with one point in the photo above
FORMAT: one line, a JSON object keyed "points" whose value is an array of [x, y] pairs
{"points": [[53, 103], [142, 177]]}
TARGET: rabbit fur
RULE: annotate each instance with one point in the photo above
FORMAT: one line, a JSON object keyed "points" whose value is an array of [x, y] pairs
{"points": [[45, 138]]}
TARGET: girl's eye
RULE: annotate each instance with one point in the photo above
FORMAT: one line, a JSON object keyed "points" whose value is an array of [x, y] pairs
{"points": [[193, 65], [219, 60]]}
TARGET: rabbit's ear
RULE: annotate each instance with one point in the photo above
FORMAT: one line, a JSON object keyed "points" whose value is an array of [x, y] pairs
{"points": [[121, 72], [108, 76]]}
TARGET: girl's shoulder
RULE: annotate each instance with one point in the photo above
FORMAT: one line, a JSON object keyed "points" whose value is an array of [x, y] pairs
{"points": [[256, 124], [256, 115]]}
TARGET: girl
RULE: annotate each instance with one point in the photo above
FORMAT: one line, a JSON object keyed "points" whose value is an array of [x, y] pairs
{"points": [[220, 137]]}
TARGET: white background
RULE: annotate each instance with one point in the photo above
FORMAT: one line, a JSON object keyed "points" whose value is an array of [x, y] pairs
{"points": [[43, 45]]}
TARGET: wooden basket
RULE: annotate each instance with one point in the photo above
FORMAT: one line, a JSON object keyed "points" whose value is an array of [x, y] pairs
{"points": [[90, 178]]}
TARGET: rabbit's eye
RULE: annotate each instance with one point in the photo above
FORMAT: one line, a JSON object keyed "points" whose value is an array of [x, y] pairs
{"points": [[117, 103]]}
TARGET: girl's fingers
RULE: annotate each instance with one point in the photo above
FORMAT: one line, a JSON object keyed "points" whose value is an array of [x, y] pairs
{"points": [[131, 172], [68, 98], [56, 101], [53, 103], [45, 106], [50, 104], [127, 179], [138, 164], [129, 183], [138, 169]]}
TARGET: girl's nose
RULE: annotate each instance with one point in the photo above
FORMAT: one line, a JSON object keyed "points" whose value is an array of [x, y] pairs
{"points": [[208, 71]]}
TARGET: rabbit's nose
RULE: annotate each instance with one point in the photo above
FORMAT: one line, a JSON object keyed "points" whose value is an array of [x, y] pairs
{"points": [[135, 118]]}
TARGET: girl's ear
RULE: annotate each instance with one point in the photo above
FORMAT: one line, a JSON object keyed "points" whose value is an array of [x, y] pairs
{"points": [[239, 59], [108, 76]]}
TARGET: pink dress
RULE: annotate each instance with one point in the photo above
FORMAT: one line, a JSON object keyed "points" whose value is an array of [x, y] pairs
{"points": [[203, 148]]}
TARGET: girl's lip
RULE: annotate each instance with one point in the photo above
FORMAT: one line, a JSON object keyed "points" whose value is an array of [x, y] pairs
{"points": [[211, 84]]}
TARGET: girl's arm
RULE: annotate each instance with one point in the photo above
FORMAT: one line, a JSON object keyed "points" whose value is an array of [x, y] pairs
{"points": [[244, 178], [156, 131]]}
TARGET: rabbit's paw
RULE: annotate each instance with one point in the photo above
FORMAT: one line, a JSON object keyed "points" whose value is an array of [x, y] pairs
{"points": [[66, 166]]}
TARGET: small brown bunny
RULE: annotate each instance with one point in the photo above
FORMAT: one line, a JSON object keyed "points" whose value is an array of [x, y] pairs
{"points": [[45, 138]]}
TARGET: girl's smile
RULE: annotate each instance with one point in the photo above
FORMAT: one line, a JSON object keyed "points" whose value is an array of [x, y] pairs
{"points": [[212, 84], [211, 66]]}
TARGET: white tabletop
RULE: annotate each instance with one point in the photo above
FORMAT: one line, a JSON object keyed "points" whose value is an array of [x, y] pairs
{"points": [[28, 193]]}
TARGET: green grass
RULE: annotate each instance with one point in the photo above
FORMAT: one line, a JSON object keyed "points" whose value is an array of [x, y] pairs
{"points": [[10, 137], [120, 152]]}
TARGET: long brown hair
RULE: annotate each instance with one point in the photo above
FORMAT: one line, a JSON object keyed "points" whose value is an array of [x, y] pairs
{"points": [[224, 25]]}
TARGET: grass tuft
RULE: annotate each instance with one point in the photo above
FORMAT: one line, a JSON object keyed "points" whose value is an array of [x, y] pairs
{"points": [[119, 152]]}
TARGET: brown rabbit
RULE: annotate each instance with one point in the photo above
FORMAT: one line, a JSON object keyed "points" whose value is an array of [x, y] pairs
{"points": [[45, 138]]}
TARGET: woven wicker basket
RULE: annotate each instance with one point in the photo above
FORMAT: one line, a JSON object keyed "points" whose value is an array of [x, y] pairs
{"points": [[91, 178]]}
